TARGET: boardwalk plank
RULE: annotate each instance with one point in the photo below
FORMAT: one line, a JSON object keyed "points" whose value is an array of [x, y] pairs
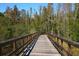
{"points": [[44, 47]]}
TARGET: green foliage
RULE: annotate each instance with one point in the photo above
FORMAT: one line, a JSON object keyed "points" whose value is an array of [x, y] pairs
{"points": [[4, 27], [64, 23], [1, 14], [12, 27]]}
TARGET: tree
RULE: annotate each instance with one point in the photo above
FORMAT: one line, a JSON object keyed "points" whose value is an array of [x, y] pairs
{"points": [[8, 12], [23, 14], [75, 25], [1, 14], [16, 13]]}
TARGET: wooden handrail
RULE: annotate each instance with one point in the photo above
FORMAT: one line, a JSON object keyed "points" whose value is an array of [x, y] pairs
{"points": [[60, 45], [76, 44], [15, 45], [14, 39]]}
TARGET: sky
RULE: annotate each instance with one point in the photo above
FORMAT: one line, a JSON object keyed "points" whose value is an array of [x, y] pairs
{"points": [[25, 6]]}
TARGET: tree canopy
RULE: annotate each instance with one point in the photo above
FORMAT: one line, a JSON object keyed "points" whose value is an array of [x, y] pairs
{"points": [[63, 22]]}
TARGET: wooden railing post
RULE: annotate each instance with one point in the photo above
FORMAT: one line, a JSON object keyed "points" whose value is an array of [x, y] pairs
{"points": [[69, 48], [57, 40], [61, 44], [14, 46], [28, 38], [32, 37], [23, 41]]}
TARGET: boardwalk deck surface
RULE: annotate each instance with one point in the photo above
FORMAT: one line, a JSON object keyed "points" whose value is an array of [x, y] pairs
{"points": [[44, 47]]}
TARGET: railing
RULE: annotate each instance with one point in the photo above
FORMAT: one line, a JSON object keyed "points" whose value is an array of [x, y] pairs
{"points": [[64, 46], [16, 45]]}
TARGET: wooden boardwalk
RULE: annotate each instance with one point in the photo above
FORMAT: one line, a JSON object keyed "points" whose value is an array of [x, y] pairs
{"points": [[44, 47]]}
